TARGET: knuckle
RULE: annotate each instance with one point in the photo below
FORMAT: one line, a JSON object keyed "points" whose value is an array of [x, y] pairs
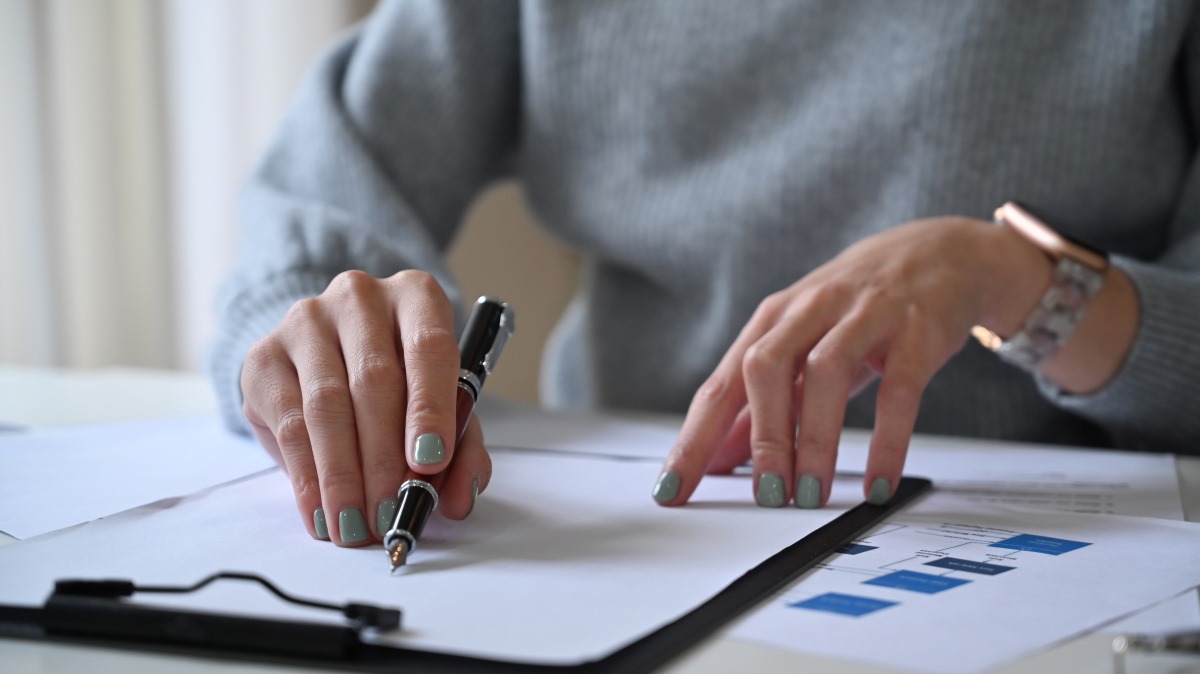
{"points": [[327, 398], [770, 307], [431, 343], [376, 374], [352, 283], [761, 360], [291, 431], [341, 481], [307, 310], [827, 363], [772, 447], [263, 356], [423, 414], [421, 281], [712, 391], [307, 487]]}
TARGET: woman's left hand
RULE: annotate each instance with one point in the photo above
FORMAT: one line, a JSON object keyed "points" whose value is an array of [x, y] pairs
{"points": [[897, 305]]}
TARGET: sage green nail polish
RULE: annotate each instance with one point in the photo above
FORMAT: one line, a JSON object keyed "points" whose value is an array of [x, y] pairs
{"points": [[429, 449], [770, 490], [319, 524], [667, 487], [474, 495], [808, 492], [385, 514], [352, 526], [881, 491]]}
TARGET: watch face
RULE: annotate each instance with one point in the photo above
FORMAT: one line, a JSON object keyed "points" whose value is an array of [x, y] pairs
{"points": [[1056, 245]]}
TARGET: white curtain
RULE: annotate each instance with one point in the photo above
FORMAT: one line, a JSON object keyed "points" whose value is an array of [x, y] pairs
{"points": [[126, 127]]}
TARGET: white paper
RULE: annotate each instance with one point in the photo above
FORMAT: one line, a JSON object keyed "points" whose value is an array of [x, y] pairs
{"points": [[564, 559], [1040, 476], [934, 593], [58, 477]]}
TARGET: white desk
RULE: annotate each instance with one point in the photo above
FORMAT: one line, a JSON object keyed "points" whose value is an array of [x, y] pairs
{"points": [[38, 397]]}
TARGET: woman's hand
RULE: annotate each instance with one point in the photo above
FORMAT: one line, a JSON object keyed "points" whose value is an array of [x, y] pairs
{"points": [[355, 391], [897, 305]]}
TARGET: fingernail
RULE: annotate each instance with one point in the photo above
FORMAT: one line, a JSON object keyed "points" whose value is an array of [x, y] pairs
{"points": [[352, 526], [808, 492], [770, 490], [429, 449], [319, 524], [667, 487], [474, 495], [881, 491], [385, 514]]}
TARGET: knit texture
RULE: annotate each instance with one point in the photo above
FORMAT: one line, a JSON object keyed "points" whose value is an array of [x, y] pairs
{"points": [[702, 154]]}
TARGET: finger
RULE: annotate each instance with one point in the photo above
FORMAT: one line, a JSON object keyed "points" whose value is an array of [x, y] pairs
{"points": [[377, 391], [313, 347], [832, 369], [712, 412], [467, 477], [907, 371], [430, 354], [734, 450], [771, 371], [275, 408]]}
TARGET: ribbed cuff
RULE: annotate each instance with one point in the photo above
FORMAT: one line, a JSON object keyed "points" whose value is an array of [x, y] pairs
{"points": [[245, 320], [1144, 404]]}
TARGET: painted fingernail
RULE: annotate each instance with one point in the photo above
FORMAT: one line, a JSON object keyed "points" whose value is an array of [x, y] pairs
{"points": [[319, 524], [474, 495], [808, 492], [881, 491], [385, 514], [770, 490], [667, 487], [429, 449], [352, 526]]}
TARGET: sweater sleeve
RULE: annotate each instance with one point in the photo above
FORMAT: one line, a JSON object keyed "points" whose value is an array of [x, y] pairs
{"points": [[1153, 402], [395, 129]]}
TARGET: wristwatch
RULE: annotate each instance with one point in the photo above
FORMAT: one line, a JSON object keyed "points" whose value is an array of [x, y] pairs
{"points": [[1079, 271]]}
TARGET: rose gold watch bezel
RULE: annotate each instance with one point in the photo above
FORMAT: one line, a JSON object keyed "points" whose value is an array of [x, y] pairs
{"points": [[1052, 243]]}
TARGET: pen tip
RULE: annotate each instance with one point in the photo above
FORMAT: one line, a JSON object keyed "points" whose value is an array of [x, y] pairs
{"points": [[398, 555]]}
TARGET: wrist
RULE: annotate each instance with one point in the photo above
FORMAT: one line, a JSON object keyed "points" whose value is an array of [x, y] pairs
{"points": [[1018, 275], [1077, 276]]}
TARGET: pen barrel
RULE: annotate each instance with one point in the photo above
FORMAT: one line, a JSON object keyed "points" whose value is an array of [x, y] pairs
{"points": [[417, 502], [488, 328]]}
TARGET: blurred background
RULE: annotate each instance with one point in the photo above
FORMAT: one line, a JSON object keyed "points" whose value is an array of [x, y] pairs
{"points": [[126, 129]]}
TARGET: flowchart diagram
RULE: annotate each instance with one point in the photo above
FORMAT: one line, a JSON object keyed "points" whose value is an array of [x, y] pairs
{"points": [[921, 560]]}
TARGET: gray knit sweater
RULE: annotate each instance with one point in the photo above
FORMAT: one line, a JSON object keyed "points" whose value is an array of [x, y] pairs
{"points": [[701, 154]]}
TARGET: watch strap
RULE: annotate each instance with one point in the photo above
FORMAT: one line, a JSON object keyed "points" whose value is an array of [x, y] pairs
{"points": [[1053, 320]]}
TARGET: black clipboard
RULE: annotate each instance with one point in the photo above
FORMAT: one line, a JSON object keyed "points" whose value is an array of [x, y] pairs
{"points": [[325, 646]]}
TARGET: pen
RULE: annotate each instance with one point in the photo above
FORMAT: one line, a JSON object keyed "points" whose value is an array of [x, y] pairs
{"points": [[489, 325]]}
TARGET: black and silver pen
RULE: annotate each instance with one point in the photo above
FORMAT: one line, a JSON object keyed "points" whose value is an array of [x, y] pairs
{"points": [[489, 325]]}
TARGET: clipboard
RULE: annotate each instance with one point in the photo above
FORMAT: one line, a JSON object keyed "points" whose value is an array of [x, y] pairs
{"points": [[90, 615]]}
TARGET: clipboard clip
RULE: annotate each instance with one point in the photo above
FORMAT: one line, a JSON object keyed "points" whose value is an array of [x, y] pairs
{"points": [[96, 609]]}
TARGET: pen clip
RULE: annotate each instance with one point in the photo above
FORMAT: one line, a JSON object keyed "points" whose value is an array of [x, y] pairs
{"points": [[504, 330]]}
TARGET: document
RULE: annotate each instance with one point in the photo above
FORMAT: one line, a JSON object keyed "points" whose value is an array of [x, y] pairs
{"points": [[567, 558], [57, 477], [960, 588], [1045, 477]]}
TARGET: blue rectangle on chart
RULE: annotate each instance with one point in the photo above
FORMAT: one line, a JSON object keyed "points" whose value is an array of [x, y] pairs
{"points": [[916, 582], [856, 549], [969, 566], [845, 604], [1042, 544]]}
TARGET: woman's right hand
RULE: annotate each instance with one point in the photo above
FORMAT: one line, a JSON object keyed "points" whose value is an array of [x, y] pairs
{"points": [[354, 392]]}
